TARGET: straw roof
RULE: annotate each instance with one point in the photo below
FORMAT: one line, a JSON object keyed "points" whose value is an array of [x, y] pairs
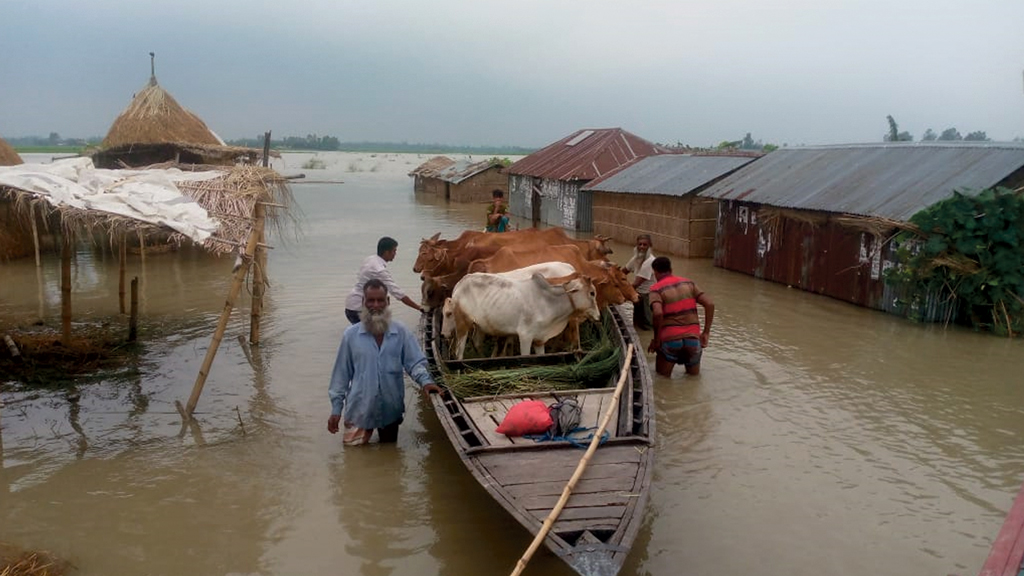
{"points": [[8, 157], [230, 198], [155, 117]]}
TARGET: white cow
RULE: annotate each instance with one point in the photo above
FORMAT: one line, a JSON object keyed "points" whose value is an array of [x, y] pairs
{"points": [[535, 309]]}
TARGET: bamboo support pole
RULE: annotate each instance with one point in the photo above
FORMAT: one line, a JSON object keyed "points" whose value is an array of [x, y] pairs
{"points": [[65, 289], [236, 285], [258, 281], [123, 257], [133, 320], [35, 234], [567, 491]]}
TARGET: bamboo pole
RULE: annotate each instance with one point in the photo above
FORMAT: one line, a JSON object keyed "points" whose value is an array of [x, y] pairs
{"points": [[258, 279], [236, 284], [65, 288], [123, 257], [567, 491], [133, 320], [35, 234]]}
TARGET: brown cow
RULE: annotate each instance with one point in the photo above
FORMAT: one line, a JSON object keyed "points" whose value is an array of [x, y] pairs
{"points": [[612, 285], [438, 257]]}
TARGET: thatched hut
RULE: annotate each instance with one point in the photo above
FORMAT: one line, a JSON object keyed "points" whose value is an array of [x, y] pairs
{"points": [[15, 242], [154, 128], [8, 157]]}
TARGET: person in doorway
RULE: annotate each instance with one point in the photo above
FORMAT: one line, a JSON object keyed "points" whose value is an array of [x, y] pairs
{"points": [[678, 338], [367, 384], [640, 266], [497, 213], [376, 267]]}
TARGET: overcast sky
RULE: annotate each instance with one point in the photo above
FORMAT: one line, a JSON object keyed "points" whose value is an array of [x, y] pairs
{"points": [[525, 72]]}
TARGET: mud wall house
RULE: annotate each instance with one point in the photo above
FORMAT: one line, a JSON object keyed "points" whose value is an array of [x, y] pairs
{"points": [[547, 186], [474, 181], [657, 195], [425, 179], [819, 218]]}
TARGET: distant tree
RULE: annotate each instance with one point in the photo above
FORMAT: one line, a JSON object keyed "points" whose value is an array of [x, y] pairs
{"points": [[54, 139], [748, 142], [950, 134], [894, 130], [769, 148], [894, 134], [929, 135], [724, 144], [977, 136]]}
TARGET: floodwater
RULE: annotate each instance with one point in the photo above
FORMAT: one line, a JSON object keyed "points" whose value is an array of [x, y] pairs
{"points": [[820, 438]]}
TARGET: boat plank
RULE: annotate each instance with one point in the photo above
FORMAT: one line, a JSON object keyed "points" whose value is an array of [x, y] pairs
{"points": [[606, 498], [563, 526], [560, 457], [585, 486], [511, 475], [487, 417], [604, 514]]}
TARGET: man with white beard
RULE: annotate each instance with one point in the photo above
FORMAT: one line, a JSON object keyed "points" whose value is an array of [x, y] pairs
{"points": [[367, 380], [640, 264]]}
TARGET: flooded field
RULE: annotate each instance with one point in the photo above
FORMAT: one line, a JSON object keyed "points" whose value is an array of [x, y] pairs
{"points": [[819, 438]]}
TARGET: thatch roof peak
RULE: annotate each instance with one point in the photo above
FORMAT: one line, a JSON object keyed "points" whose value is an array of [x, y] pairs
{"points": [[155, 117], [8, 157]]}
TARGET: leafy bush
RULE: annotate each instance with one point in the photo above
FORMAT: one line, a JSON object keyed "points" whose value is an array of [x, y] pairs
{"points": [[314, 164], [970, 247]]}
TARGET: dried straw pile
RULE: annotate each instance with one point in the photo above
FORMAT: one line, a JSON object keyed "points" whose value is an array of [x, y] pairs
{"points": [[155, 117], [8, 157], [17, 562]]}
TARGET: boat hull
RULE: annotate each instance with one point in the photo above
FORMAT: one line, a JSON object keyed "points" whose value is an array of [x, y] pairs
{"points": [[596, 529]]}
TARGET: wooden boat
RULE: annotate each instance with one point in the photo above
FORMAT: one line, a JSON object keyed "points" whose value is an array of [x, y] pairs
{"points": [[596, 529], [1007, 555]]}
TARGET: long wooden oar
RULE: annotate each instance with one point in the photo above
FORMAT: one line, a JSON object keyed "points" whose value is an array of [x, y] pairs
{"points": [[567, 491]]}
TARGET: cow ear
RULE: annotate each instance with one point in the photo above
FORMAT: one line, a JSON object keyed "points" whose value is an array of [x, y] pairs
{"points": [[435, 237]]}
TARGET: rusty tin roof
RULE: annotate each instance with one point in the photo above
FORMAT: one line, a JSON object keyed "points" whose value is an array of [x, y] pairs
{"points": [[668, 174], [432, 166], [892, 180], [585, 155]]}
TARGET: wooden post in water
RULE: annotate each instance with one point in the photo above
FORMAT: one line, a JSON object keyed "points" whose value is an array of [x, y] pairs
{"points": [[236, 285], [258, 278], [65, 287], [35, 233], [133, 320], [123, 257], [259, 281]]}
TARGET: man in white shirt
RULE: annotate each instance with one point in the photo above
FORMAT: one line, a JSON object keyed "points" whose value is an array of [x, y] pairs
{"points": [[376, 267], [640, 264]]}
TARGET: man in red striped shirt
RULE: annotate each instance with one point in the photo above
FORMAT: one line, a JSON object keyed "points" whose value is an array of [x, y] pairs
{"points": [[678, 338]]}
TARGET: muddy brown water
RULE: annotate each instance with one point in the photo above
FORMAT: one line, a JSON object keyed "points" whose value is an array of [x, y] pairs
{"points": [[819, 438]]}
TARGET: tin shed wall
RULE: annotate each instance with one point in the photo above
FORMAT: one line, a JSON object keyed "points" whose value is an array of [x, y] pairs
{"points": [[824, 258]]}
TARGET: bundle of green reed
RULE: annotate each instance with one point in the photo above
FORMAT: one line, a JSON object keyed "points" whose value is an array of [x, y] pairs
{"points": [[592, 371]]}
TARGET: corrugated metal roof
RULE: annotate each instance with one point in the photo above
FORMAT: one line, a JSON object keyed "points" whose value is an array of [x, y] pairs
{"points": [[461, 170], [582, 156], [889, 180], [431, 167], [669, 174]]}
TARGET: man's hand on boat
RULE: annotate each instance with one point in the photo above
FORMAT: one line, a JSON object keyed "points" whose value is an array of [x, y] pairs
{"points": [[431, 389]]}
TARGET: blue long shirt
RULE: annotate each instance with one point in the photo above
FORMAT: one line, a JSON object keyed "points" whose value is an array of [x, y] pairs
{"points": [[367, 379]]}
